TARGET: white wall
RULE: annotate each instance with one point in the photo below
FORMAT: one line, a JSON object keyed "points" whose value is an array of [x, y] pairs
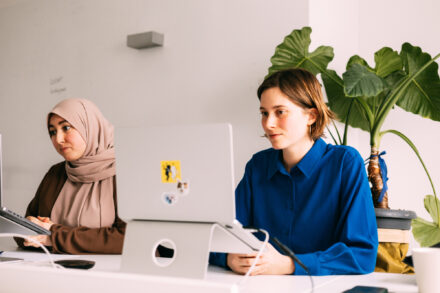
{"points": [[377, 24], [215, 55]]}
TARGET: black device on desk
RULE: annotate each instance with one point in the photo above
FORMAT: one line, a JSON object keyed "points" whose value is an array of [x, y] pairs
{"points": [[76, 263], [11, 222], [366, 289]]}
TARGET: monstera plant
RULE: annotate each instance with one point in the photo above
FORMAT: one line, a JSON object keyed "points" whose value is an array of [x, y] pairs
{"points": [[364, 96]]}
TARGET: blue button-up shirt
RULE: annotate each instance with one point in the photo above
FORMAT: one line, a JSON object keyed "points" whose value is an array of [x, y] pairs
{"points": [[322, 209]]}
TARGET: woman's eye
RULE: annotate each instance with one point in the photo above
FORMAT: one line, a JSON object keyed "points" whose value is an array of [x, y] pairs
{"points": [[66, 127], [52, 132], [281, 112], [264, 114]]}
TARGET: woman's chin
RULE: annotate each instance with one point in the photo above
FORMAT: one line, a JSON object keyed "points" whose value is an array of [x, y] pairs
{"points": [[277, 146], [70, 158]]}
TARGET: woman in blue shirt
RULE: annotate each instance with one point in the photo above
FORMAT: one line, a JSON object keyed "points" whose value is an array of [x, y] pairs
{"points": [[314, 197]]}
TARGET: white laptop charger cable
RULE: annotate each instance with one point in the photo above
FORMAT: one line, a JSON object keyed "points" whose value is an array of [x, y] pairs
{"points": [[260, 251], [54, 265]]}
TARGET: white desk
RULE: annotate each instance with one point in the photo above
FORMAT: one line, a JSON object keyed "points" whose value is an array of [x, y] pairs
{"points": [[24, 277]]}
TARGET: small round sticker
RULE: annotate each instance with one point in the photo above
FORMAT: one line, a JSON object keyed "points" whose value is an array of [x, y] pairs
{"points": [[169, 198], [183, 187]]}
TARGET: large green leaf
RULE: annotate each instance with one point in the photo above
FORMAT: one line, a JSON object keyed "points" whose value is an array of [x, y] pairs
{"points": [[431, 205], [422, 96], [356, 59], [360, 82], [294, 52], [426, 233], [339, 103], [387, 62], [393, 80]]}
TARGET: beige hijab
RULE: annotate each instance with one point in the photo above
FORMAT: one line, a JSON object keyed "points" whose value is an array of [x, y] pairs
{"points": [[86, 198]]}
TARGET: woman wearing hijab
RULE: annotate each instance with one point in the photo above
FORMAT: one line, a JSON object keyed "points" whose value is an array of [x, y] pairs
{"points": [[76, 199]]}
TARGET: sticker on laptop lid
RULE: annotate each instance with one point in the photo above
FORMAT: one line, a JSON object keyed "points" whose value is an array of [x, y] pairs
{"points": [[170, 171], [183, 187], [169, 198]]}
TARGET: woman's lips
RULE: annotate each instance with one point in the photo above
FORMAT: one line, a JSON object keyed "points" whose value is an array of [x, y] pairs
{"points": [[274, 135], [64, 149]]}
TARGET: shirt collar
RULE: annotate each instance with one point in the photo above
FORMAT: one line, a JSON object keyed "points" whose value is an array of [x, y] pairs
{"points": [[276, 164], [306, 165]]}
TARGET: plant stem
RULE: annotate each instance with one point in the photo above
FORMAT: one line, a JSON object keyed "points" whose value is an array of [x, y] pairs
{"points": [[331, 134], [411, 144], [337, 132], [376, 180], [367, 110], [346, 123]]}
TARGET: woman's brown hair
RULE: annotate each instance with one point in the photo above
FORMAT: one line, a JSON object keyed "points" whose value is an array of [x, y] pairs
{"points": [[303, 89]]}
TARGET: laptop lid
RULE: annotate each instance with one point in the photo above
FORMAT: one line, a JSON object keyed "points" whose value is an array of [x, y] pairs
{"points": [[176, 173], [1, 171]]}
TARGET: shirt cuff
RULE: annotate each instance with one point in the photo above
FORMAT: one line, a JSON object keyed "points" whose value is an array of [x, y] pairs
{"points": [[218, 259], [310, 260]]}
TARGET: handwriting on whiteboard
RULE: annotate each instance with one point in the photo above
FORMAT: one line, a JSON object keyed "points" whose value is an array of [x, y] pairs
{"points": [[56, 85], [57, 90]]}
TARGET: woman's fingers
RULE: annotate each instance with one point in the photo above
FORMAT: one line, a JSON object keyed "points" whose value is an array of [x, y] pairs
{"points": [[43, 239], [28, 242], [259, 270], [235, 262], [270, 262], [241, 263], [44, 222], [32, 219], [43, 219]]}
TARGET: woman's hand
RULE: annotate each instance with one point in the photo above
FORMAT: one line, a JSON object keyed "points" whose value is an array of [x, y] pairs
{"points": [[271, 262], [43, 239], [44, 222]]}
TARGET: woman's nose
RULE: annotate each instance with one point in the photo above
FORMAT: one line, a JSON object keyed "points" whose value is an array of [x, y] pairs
{"points": [[269, 121], [60, 137]]}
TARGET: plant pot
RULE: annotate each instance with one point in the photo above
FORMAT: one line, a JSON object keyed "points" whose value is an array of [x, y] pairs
{"points": [[394, 219]]}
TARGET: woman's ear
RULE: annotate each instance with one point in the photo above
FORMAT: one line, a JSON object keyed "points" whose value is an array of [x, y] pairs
{"points": [[313, 115]]}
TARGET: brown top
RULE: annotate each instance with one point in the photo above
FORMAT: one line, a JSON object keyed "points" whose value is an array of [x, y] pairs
{"points": [[74, 240]]}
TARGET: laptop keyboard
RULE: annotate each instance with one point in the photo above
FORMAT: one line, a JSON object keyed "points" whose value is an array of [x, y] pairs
{"points": [[16, 218]]}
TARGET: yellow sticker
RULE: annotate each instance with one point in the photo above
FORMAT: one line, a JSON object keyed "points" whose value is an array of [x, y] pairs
{"points": [[170, 171]]}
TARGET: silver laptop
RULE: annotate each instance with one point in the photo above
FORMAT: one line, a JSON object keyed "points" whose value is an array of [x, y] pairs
{"points": [[11, 222], [178, 173]]}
